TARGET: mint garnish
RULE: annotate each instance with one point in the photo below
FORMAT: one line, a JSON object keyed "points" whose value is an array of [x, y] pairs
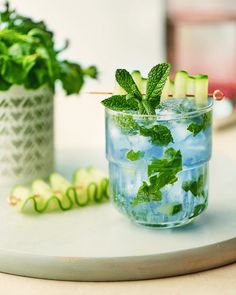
{"points": [[136, 101], [203, 124], [134, 156], [155, 83], [161, 172]]}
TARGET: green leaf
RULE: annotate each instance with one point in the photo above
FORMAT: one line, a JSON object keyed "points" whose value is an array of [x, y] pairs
{"points": [[203, 124], [159, 134], [91, 72], [120, 103], [4, 85], [71, 76], [11, 71], [156, 81], [127, 124], [3, 48], [28, 56], [148, 107], [170, 162], [147, 193], [161, 172], [125, 80], [198, 209], [134, 156], [196, 187]]}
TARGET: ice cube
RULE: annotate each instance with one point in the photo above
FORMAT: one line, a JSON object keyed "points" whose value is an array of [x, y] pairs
{"points": [[196, 149], [168, 108]]}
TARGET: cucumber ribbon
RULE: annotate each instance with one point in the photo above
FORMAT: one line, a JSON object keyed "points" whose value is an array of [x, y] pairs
{"points": [[88, 186]]}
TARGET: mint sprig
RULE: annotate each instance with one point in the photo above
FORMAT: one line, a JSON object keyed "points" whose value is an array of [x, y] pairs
{"points": [[146, 103]]}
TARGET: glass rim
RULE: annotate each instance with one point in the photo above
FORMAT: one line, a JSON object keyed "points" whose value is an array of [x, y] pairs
{"points": [[166, 117]]}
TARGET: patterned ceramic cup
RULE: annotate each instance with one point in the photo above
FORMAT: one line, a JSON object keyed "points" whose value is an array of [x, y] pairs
{"points": [[26, 135]]}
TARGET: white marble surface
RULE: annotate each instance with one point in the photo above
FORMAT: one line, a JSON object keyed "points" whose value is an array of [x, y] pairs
{"points": [[101, 233]]}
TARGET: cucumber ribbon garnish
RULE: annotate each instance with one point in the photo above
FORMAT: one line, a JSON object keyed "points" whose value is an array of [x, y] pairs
{"points": [[88, 186]]}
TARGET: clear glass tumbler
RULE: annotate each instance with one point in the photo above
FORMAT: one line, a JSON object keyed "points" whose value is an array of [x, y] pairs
{"points": [[158, 164]]}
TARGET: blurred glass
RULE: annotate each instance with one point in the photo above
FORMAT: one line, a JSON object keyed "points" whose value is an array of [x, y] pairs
{"points": [[201, 38]]}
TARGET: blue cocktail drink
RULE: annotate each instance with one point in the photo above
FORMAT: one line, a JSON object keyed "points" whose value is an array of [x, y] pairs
{"points": [[158, 160]]}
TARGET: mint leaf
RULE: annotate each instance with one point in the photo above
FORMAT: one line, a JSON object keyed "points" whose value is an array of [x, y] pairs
{"points": [[198, 209], [170, 208], [120, 103], [147, 193], [196, 187], [161, 172], [203, 124], [156, 81], [134, 156], [159, 134], [127, 124], [177, 208], [125, 80], [170, 163]]}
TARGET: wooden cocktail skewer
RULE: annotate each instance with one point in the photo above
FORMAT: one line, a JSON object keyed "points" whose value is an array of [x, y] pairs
{"points": [[217, 94]]}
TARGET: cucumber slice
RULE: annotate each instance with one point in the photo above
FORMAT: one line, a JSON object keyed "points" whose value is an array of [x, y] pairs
{"points": [[18, 196], [82, 177], [42, 189], [166, 90], [88, 183], [20, 192], [171, 87], [180, 85], [191, 85], [118, 90], [59, 183], [136, 75], [201, 90], [170, 209]]}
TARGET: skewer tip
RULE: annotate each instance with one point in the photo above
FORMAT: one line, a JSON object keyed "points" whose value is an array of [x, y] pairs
{"points": [[218, 95]]}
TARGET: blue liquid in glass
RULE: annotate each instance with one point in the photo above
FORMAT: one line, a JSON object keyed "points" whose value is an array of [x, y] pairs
{"points": [[179, 204]]}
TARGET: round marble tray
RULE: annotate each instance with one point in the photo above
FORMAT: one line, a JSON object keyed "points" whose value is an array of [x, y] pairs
{"points": [[99, 244]]}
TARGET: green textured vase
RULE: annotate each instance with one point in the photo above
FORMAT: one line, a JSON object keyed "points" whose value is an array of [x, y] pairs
{"points": [[26, 135]]}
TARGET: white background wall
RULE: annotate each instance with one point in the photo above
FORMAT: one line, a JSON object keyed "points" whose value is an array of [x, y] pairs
{"points": [[108, 33]]}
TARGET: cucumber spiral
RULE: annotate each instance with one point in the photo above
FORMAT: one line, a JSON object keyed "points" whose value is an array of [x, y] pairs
{"points": [[88, 186]]}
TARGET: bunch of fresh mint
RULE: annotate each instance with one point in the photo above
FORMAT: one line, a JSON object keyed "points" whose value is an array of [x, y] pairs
{"points": [[28, 56], [134, 100]]}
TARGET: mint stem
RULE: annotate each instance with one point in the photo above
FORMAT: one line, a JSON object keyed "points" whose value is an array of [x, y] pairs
{"points": [[148, 108]]}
